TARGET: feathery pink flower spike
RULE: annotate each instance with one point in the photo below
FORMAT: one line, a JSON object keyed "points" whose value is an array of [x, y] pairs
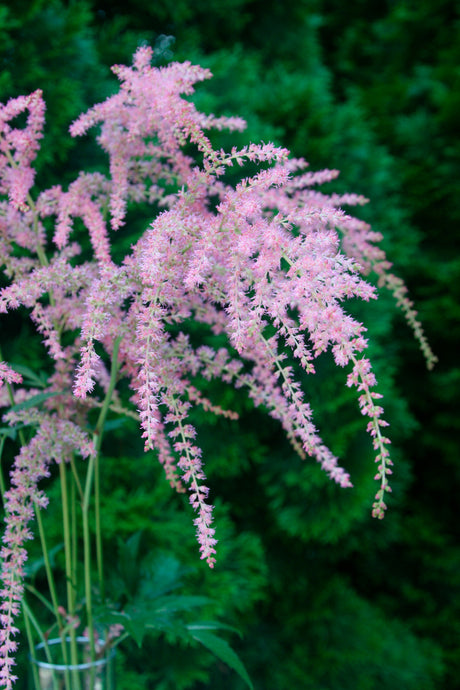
{"points": [[269, 262]]}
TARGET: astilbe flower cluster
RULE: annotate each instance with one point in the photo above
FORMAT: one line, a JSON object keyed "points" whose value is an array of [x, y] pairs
{"points": [[268, 261]]}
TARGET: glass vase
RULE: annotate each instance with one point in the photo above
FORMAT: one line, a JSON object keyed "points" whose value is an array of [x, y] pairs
{"points": [[71, 668]]}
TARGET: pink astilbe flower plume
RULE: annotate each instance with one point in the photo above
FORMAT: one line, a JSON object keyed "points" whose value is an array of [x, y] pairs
{"points": [[268, 262], [54, 441], [19, 147], [8, 374]]}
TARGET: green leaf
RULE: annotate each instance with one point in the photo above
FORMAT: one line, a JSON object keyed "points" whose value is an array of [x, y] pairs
{"points": [[128, 563], [132, 624], [159, 615], [160, 575], [114, 424], [39, 380], [223, 651], [212, 625], [34, 401], [177, 603], [140, 621], [33, 566], [10, 431], [108, 617]]}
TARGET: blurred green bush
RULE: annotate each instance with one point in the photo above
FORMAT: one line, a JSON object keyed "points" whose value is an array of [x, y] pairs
{"points": [[326, 598]]}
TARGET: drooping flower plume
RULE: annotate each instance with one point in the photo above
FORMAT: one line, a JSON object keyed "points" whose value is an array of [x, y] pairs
{"points": [[268, 261]]}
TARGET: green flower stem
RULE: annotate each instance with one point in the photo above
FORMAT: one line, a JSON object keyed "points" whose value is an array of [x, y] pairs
{"points": [[74, 532], [106, 404], [98, 434], [97, 518], [52, 588], [69, 563], [76, 480], [29, 620], [49, 572], [26, 613], [87, 555], [39, 595]]}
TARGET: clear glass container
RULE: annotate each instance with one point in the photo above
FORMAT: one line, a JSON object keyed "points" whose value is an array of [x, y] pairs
{"points": [[71, 668]]}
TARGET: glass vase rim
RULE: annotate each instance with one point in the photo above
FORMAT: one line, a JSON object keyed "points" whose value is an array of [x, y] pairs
{"points": [[71, 667]]}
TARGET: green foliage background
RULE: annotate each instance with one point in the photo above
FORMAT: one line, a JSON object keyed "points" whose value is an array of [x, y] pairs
{"points": [[326, 598]]}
